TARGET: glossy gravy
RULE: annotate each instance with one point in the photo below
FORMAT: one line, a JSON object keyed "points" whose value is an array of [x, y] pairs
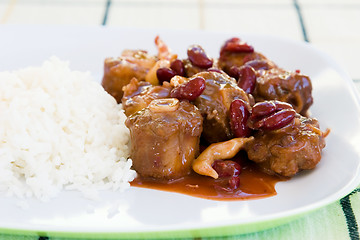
{"points": [[253, 184]]}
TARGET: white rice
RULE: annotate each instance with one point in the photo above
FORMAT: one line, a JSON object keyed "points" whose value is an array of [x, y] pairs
{"points": [[60, 130]]}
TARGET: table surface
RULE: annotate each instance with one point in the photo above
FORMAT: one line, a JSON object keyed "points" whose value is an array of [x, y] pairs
{"points": [[330, 25]]}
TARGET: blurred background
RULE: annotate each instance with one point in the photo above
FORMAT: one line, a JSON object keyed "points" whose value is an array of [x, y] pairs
{"points": [[330, 25]]}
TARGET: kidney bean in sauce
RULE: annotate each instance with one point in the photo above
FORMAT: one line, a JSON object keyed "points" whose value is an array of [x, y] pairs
{"points": [[262, 109], [234, 183], [234, 72], [235, 45], [239, 115], [165, 74], [277, 120], [271, 115], [198, 57], [247, 79], [227, 168], [178, 67], [189, 90], [215, 70]]}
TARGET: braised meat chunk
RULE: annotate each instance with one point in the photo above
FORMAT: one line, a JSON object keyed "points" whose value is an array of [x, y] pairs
{"points": [[236, 53], [271, 82], [290, 149], [214, 105], [119, 71], [165, 138], [191, 69], [285, 86], [139, 94]]}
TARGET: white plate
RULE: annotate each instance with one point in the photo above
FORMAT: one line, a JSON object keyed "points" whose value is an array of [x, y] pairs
{"points": [[151, 213]]}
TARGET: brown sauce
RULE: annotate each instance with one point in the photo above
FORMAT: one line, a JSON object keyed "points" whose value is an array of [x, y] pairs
{"points": [[253, 184]]}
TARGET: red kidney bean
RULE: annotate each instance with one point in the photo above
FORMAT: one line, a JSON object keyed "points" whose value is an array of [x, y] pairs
{"points": [[165, 74], [247, 79], [198, 57], [264, 109], [234, 183], [276, 120], [227, 168], [239, 114], [248, 58], [282, 105], [223, 48], [216, 70], [178, 66], [258, 64], [227, 184], [234, 72], [189, 90], [235, 45]]}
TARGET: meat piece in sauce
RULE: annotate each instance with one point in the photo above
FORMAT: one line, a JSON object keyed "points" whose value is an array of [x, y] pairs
{"points": [[256, 60], [290, 87], [236, 53], [190, 69], [119, 71], [272, 83], [214, 105], [139, 94], [290, 149], [165, 138]]}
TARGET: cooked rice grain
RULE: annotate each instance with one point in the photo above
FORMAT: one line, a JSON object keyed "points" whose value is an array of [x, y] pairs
{"points": [[59, 129]]}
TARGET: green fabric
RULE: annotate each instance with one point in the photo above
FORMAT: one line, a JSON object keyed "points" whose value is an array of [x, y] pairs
{"points": [[340, 220]]}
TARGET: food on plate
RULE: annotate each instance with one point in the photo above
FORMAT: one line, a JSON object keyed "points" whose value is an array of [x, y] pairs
{"points": [[248, 117], [197, 61], [289, 149], [165, 138], [59, 130], [119, 71], [285, 86], [214, 104], [138, 64], [208, 162], [240, 61], [139, 94], [236, 53]]}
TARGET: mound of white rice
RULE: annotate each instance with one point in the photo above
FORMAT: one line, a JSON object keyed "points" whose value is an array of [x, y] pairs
{"points": [[60, 130]]}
